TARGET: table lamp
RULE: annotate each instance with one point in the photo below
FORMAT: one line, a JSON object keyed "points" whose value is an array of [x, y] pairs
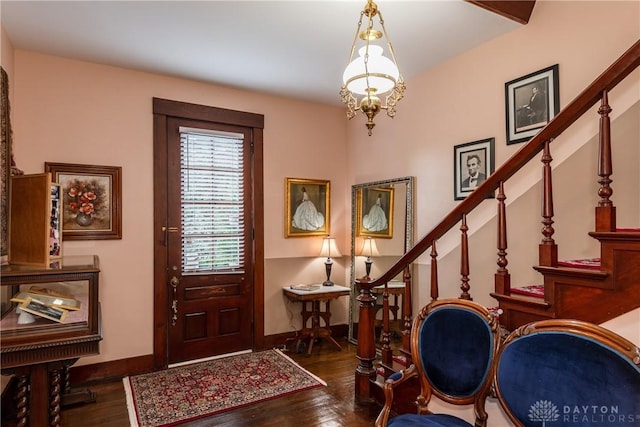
{"points": [[328, 248], [369, 249]]}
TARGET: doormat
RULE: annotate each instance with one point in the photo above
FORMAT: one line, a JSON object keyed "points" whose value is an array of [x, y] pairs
{"points": [[176, 395]]}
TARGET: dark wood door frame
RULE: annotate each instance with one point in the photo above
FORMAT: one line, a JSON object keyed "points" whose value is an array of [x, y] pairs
{"points": [[162, 110]]}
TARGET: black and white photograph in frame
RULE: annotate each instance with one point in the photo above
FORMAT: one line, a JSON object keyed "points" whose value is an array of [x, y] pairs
{"points": [[473, 162], [531, 102]]}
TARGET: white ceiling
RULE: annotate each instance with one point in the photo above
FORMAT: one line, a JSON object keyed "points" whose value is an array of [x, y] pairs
{"points": [[297, 49]]}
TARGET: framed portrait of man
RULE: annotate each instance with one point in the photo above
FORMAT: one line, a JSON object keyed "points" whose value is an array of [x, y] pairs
{"points": [[531, 102], [473, 163]]}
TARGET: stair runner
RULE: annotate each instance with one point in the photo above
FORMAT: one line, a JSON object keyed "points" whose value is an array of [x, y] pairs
{"points": [[537, 291]]}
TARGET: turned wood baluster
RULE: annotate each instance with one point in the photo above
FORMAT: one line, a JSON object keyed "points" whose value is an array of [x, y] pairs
{"points": [[66, 375], [464, 260], [605, 211], [434, 272], [22, 400], [547, 250], [54, 400], [366, 348], [502, 277], [386, 353], [406, 310]]}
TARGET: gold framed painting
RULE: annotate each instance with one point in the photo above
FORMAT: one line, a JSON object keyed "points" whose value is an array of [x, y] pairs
{"points": [[375, 212], [91, 200], [307, 207]]}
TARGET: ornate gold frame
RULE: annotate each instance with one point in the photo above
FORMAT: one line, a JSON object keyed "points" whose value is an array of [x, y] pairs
{"points": [[318, 193]]}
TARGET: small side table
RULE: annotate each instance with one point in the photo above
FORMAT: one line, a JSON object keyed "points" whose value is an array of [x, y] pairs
{"points": [[313, 311], [396, 288]]}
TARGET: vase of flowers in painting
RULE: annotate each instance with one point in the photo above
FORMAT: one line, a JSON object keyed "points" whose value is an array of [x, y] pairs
{"points": [[83, 219], [83, 199]]}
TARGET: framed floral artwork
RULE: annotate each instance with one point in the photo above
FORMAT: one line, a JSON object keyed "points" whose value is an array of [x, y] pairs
{"points": [[307, 207], [91, 200]]}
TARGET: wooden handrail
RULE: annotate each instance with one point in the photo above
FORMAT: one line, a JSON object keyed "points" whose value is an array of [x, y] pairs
{"points": [[596, 91], [620, 69]]}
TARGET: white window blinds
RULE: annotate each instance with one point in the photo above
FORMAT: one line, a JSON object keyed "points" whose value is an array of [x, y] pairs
{"points": [[212, 188]]}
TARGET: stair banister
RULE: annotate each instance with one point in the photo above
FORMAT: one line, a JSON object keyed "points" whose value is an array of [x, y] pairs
{"points": [[613, 75], [576, 108], [605, 211]]}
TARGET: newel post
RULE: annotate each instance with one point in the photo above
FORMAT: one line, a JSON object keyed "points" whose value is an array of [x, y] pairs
{"points": [[366, 349]]}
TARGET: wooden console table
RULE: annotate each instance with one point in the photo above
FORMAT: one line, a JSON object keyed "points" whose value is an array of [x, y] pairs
{"points": [[314, 298], [40, 353]]}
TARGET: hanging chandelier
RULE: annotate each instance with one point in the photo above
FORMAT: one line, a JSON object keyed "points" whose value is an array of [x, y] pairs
{"points": [[371, 75]]}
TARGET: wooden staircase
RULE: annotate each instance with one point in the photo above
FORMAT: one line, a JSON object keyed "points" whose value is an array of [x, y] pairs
{"points": [[594, 291], [595, 295]]}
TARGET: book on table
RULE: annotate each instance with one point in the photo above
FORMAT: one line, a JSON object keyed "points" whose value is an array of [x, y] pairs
{"points": [[303, 287]]}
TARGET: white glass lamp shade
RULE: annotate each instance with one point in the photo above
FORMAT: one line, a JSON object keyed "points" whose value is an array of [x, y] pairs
{"points": [[383, 73]]}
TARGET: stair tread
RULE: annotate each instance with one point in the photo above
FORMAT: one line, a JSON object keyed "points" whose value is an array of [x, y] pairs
{"points": [[588, 263], [536, 291]]}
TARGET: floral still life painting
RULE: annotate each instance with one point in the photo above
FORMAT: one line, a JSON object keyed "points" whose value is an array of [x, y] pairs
{"points": [[91, 200], [86, 203]]}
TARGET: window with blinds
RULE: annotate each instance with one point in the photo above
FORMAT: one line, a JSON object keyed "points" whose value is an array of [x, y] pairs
{"points": [[212, 188]]}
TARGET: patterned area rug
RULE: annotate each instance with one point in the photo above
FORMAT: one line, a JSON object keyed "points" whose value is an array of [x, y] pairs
{"points": [[176, 395]]}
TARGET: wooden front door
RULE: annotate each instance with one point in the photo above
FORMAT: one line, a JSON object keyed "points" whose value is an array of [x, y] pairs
{"points": [[208, 289]]}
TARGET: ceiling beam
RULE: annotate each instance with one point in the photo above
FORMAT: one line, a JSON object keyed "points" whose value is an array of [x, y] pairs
{"points": [[519, 10]]}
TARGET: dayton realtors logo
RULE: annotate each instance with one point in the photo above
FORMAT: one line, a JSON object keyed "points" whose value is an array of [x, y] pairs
{"points": [[545, 411]]}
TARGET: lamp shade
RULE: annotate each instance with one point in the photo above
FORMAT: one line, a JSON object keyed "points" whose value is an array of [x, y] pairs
{"points": [[329, 248], [382, 72], [369, 248]]}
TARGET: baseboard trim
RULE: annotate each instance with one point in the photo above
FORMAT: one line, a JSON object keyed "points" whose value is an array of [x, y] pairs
{"points": [[117, 369]]}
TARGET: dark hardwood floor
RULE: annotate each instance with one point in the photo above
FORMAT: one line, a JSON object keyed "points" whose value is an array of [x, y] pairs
{"points": [[330, 406]]}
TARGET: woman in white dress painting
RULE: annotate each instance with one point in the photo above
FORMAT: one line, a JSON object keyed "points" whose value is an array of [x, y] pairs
{"points": [[376, 219], [307, 216]]}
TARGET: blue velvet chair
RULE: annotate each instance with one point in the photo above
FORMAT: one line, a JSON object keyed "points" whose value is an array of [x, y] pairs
{"points": [[561, 373], [453, 345]]}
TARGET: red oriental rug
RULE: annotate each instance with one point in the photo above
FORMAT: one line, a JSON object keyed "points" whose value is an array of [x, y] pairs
{"points": [[177, 395]]}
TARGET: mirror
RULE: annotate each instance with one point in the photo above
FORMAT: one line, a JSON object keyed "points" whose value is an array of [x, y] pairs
{"points": [[381, 232]]}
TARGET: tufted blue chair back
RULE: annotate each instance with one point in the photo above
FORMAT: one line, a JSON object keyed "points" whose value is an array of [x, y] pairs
{"points": [[455, 350], [453, 344], [560, 373]]}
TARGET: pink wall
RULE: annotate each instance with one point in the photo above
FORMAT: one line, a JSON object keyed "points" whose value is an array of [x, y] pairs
{"points": [[78, 112], [462, 100], [6, 55]]}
